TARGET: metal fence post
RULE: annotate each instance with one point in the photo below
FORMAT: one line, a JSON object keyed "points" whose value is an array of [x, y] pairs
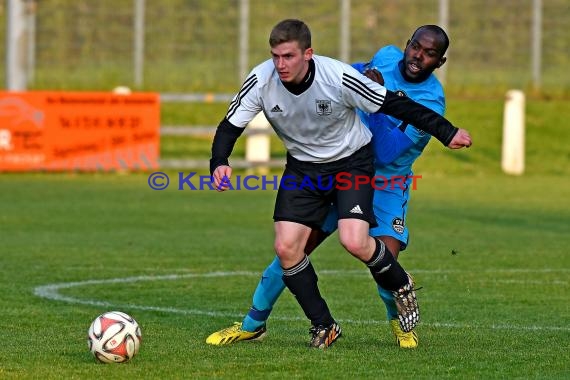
{"points": [[344, 30], [536, 48], [16, 76], [444, 24], [139, 42], [243, 39]]}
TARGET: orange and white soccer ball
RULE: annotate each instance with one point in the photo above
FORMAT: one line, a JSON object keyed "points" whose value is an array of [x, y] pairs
{"points": [[114, 337]]}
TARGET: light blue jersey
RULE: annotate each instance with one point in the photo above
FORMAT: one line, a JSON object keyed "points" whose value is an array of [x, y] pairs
{"points": [[428, 93], [394, 168]]}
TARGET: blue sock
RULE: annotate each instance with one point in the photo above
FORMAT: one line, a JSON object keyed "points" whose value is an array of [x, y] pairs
{"points": [[268, 290], [388, 298]]}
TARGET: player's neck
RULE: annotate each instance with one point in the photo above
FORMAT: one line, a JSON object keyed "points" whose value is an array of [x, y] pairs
{"points": [[299, 88]]}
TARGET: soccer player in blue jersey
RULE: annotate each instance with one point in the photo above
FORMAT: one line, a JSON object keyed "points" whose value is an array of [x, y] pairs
{"points": [[396, 147]]}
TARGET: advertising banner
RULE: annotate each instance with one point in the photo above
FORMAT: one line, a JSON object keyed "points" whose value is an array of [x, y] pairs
{"points": [[83, 131]]}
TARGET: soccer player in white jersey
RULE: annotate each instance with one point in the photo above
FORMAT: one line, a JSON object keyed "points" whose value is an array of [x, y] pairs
{"points": [[311, 102], [396, 148]]}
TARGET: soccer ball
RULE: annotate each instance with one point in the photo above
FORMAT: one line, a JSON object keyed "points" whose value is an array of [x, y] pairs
{"points": [[114, 337]]}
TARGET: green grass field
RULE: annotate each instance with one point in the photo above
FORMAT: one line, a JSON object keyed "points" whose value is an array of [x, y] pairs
{"points": [[489, 250], [497, 308]]}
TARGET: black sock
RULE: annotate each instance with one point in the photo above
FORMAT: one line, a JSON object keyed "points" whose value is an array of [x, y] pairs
{"points": [[386, 271], [301, 280]]}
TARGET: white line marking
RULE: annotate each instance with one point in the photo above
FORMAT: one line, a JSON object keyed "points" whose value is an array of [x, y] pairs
{"points": [[51, 292], [525, 282]]}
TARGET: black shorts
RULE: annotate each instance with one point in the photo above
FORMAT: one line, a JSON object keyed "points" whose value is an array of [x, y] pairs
{"points": [[308, 189]]}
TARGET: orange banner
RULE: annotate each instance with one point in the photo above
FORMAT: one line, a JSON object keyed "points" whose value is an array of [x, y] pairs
{"points": [[86, 131]]}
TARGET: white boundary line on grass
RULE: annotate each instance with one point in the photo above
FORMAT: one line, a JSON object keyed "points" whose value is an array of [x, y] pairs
{"points": [[51, 292]]}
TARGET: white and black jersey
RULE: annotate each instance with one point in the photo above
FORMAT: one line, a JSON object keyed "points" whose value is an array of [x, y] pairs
{"points": [[319, 124], [317, 119]]}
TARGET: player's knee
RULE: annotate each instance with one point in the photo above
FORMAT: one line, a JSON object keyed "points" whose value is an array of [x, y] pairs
{"points": [[284, 250], [355, 245]]}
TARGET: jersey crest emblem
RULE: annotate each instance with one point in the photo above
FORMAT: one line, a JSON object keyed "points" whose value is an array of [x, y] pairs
{"points": [[324, 107], [398, 225], [401, 93]]}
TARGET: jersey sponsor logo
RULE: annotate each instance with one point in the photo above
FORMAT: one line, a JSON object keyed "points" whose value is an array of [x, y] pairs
{"points": [[398, 225], [356, 210], [276, 108], [324, 107]]}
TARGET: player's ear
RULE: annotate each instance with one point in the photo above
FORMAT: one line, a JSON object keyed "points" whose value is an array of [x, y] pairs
{"points": [[308, 54], [441, 62]]}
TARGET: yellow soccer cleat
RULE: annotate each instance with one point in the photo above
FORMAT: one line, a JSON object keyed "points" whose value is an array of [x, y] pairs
{"points": [[403, 339], [234, 334]]}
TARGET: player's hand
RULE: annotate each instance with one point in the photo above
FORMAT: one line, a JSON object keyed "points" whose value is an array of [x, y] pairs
{"points": [[221, 177], [375, 75], [460, 140]]}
